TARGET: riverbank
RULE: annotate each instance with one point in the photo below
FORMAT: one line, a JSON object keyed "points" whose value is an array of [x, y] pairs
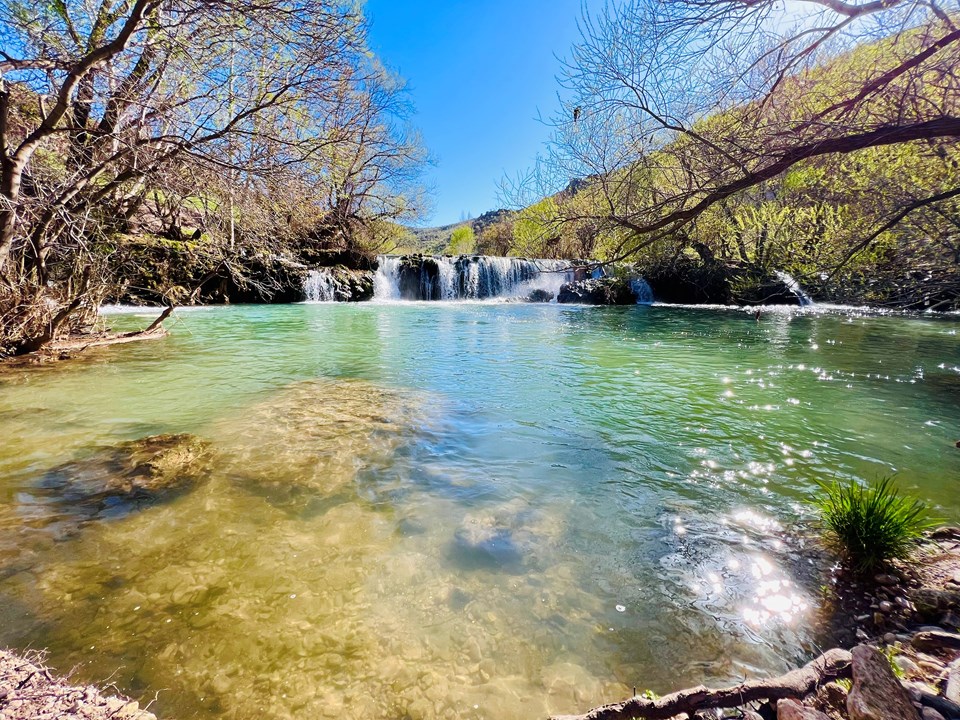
{"points": [[392, 525], [908, 669], [30, 691]]}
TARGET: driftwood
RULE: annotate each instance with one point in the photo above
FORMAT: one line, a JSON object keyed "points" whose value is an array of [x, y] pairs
{"points": [[153, 331], [832, 665]]}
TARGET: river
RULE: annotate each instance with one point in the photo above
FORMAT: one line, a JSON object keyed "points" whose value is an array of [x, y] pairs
{"points": [[458, 510]]}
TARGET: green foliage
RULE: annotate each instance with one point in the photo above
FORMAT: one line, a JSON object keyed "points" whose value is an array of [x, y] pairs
{"points": [[534, 229], [463, 241], [890, 652], [869, 526]]}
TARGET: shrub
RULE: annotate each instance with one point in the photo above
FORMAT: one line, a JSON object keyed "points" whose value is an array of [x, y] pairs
{"points": [[870, 526]]}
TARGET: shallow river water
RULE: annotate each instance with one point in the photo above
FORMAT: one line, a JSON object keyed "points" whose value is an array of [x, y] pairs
{"points": [[457, 510]]}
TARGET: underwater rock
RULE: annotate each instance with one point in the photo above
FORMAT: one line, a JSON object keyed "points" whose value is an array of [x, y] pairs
{"points": [[480, 541], [303, 447], [138, 469], [505, 537]]}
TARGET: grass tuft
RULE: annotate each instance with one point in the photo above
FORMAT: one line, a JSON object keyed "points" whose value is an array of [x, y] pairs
{"points": [[870, 526]]}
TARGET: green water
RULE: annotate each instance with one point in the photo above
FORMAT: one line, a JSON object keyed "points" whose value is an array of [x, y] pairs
{"points": [[458, 511]]}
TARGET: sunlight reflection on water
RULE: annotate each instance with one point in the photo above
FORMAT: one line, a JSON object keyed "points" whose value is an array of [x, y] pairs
{"points": [[462, 511]]}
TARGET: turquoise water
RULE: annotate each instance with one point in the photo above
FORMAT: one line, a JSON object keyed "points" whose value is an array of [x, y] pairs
{"points": [[458, 510]]}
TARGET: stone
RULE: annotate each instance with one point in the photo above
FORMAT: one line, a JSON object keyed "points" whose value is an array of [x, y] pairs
{"points": [[931, 668], [928, 713], [928, 641], [792, 710], [876, 693], [832, 697], [886, 606], [540, 296], [952, 690], [950, 621], [134, 470], [751, 715], [907, 666], [946, 532], [933, 603], [598, 291], [886, 579]]}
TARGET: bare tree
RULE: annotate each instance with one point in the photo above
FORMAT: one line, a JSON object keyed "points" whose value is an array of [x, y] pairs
{"points": [[106, 106], [672, 107]]}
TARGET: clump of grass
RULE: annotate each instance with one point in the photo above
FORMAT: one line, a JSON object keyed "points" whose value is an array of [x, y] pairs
{"points": [[869, 526]]}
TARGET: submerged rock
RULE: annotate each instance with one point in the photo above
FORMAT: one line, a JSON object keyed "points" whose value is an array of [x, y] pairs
{"points": [[304, 447], [138, 469], [504, 537]]}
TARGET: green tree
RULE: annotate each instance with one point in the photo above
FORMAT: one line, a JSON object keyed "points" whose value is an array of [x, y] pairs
{"points": [[463, 241]]}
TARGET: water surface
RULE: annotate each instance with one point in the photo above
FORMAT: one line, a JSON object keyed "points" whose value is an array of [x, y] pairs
{"points": [[457, 510]]}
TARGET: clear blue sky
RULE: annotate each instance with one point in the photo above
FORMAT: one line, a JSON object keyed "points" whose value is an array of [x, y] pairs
{"points": [[479, 72]]}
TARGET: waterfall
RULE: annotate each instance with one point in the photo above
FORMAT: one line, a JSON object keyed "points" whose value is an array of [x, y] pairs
{"points": [[793, 286], [320, 286], [477, 277], [642, 290]]}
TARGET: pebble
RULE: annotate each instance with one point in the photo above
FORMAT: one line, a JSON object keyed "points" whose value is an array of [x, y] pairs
{"points": [[888, 580], [889, 638], [928, 713], [906, 665], [931, 668], [886, 606]]}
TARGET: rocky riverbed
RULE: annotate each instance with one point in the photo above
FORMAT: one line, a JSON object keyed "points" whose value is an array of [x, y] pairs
{"points": [[911, 672]]}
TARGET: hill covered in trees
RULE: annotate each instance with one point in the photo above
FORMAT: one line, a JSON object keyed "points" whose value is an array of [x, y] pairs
{"points": [[709, 140]]}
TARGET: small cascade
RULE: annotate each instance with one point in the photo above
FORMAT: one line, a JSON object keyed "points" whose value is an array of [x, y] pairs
{"points": [[642, 290], [793, 286], [467, 277], [320, 286]]}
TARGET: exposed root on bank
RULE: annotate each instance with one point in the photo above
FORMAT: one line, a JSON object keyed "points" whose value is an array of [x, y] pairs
{"points": [[832, 665]]}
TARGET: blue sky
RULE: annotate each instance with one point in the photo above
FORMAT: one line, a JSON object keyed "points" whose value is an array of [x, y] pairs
{"points": [[479, 72]]}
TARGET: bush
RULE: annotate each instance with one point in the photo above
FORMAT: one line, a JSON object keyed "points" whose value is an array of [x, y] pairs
{"points": [[870, 526]]}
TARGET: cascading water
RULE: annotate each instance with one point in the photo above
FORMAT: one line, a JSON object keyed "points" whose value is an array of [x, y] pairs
{"points": [[643, 291], [477, 277], [793, 286], [319, 286]]}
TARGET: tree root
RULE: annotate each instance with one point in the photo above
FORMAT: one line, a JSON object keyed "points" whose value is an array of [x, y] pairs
{"points": [[832, 665]]}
